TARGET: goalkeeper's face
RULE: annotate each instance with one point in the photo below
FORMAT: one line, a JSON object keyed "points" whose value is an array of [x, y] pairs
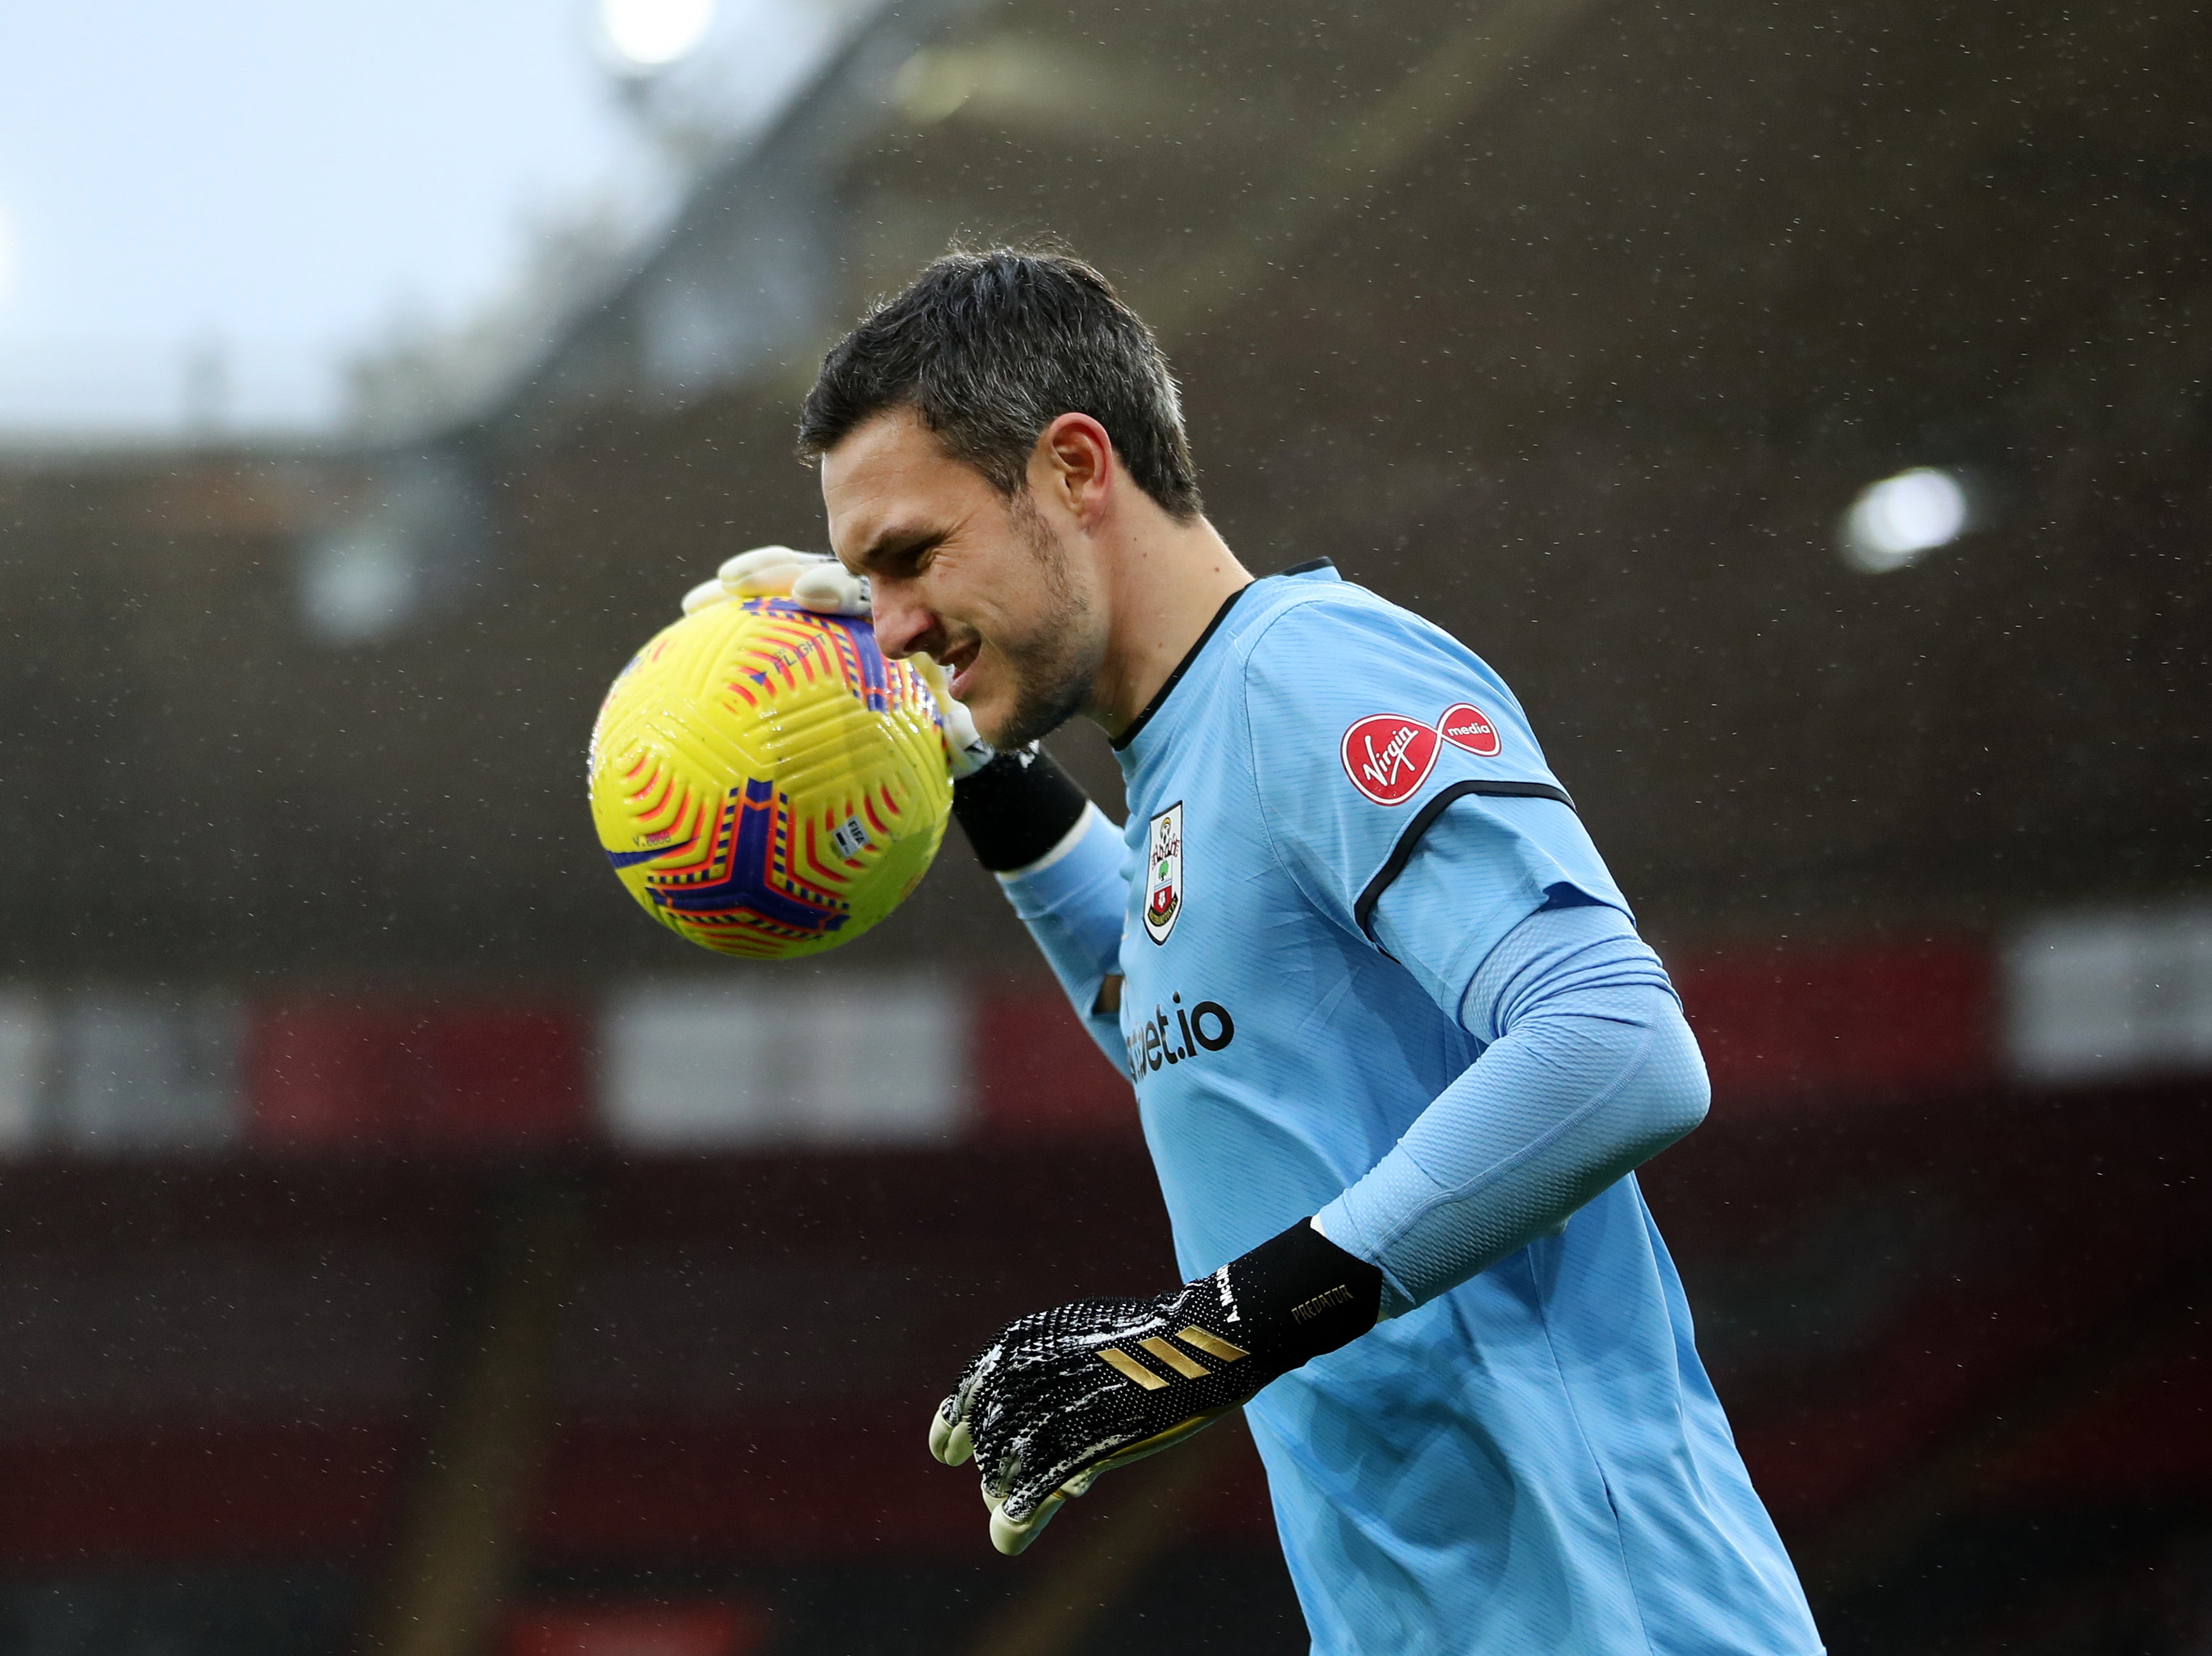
{"points": [[1001, 594]]}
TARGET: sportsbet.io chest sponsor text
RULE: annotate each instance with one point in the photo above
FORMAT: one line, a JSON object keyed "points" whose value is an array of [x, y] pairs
{"points": [[1178, 1034]]}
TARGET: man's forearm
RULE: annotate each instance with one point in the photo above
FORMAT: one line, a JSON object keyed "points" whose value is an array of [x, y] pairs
{"points": [[1591, 1072], [1059, 861]]}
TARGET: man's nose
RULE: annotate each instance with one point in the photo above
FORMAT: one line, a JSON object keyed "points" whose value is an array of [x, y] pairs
{"points": [[902, 625]]}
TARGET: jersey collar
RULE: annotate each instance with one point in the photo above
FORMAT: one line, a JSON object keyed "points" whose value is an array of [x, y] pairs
{"points": [[1160, 695]]}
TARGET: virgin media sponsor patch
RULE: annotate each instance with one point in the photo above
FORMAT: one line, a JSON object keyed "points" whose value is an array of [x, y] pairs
{"points": [[1468, 726], [1387, 756]]}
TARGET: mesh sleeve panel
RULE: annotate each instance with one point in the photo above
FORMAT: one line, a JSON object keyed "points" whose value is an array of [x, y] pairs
{"points": [[1590, 1070]]}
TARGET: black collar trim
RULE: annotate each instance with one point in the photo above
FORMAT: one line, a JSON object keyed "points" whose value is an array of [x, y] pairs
{"points": [[1309, 566], [1182, 667]]}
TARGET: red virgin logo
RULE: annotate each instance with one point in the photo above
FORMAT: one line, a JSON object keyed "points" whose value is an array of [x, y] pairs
{"points": [[1466, 726], [1389, 756]]}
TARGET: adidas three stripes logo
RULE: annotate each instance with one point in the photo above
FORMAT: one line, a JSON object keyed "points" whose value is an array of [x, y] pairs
{"points": [[1172, 1356]]}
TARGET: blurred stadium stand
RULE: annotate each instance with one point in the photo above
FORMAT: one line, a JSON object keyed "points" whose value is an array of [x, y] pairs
{"points": [[406, 1247]]}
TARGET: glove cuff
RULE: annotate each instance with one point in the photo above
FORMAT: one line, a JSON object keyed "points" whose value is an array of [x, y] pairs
{"points": [[1017, 808], [1300, 1295]]}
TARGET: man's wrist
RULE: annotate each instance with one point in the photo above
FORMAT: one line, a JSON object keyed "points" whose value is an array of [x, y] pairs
{"points": [[1016, 809], [1300, 1294], [1063, 849]]}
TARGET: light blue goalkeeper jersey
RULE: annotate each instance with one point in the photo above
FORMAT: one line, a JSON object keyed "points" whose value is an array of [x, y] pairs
{"points": [[1534, 1460]]}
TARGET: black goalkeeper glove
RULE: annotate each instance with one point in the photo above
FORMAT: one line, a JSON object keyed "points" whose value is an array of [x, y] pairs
{"points": [[1063, 1396]]}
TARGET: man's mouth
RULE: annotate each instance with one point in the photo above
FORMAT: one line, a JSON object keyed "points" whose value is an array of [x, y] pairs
{"points": [[961, 665]]}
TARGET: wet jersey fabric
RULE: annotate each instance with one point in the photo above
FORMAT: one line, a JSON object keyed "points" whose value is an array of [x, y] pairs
{"points": [[1337, 814]]}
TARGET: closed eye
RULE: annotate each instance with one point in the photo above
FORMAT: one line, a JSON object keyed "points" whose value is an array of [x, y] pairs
{"points": [[900, 554]]}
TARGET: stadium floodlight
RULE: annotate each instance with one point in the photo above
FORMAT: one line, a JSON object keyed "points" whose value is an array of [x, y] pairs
{"points": [[1898, 520], [643, 36], [358, 586]]}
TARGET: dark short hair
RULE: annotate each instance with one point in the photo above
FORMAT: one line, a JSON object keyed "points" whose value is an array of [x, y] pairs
{"points": [[989, 349]]}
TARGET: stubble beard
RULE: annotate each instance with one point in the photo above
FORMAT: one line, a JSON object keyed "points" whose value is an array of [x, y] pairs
{"points": [[1053, 668]]}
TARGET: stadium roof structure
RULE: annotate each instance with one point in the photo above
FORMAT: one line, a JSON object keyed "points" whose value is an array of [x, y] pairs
{"points": [[1189, 154], [1628, 171]]}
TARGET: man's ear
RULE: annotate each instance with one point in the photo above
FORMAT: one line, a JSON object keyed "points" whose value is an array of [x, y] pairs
{"points": [[1073, 465]]}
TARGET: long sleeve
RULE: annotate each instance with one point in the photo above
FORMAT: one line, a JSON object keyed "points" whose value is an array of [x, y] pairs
{"points": [[1589, 1070], [1074, 901]]}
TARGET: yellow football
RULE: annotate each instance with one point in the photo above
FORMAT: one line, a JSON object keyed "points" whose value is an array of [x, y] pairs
{"points": [[765, 782]]}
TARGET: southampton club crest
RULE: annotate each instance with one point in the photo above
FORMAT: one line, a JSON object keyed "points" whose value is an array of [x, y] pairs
{"points": [[1164, 873]]}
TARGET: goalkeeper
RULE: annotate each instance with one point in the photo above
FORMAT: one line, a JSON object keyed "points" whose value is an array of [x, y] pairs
{"points": [[1396, 1045]]}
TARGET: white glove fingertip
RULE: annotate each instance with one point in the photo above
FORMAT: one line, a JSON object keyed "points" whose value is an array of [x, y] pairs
{"points": [[949, 1439], [706, 592], [1010, 1538], [827, 588], [759, 558]]}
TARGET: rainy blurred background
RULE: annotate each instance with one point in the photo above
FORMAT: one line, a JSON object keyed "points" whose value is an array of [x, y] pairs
{"points": [[406, 1246]]}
